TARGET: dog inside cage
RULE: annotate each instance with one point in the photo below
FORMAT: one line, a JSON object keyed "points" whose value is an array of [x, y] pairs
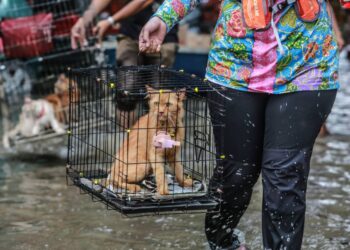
{"points": [[154, 154]]}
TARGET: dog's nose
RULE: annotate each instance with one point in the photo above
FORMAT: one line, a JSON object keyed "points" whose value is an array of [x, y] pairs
{"points": [[161, 113]]}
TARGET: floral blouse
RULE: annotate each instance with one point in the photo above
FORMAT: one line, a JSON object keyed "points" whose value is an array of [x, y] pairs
{"points": [[249, 60]]}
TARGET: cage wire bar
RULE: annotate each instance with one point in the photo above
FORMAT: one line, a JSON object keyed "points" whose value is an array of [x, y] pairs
{"points": [[141, 139], [36, 49]]}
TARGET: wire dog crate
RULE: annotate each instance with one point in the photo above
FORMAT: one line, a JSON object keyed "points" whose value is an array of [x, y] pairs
{"points": [[35, 38], [144, 140], [37, 80], [36, 28]]}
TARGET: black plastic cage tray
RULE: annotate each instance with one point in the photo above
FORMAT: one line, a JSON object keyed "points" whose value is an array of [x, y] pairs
{"points": [[132, 207], [141, 138]]}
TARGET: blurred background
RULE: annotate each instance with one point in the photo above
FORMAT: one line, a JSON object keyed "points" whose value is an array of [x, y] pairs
{"points": [[39, 211]]}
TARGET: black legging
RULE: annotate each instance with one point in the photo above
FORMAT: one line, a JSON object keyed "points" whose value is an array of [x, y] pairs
{"points": [[273, 134]]}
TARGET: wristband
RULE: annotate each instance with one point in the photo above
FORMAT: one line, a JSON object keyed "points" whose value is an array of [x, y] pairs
{"points": [[111, 20]]}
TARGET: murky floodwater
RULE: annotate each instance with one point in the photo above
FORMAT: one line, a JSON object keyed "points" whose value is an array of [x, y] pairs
{"points": [[38, 210]]}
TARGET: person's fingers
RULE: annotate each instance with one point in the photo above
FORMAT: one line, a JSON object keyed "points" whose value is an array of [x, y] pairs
{"points": [[150, 47], [146, 37], [100, 35], [73, 42], [82, 38], [158, 48], [75, 38], [76, 33], [141, 41], [154, 46], [95, 30], [141, 47]]}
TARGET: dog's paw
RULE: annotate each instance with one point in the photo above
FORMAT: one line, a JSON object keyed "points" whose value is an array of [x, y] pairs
{"points": [[59, 130], [188, 182], [163, 191], [135, 188], [6, 143]]}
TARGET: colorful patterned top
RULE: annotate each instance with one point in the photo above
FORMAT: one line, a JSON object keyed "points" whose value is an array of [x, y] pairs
{"points": [[251, 61]]}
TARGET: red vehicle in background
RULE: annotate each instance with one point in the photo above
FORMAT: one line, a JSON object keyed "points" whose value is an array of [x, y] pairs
{"points": [[345, 4]]}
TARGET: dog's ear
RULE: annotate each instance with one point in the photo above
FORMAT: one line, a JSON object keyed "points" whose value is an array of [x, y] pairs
{"points": [[181, 93], [27, 100], [62, 77], [150, 90]]}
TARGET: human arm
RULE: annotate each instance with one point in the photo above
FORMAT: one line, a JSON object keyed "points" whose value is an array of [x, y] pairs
{"points": [[336, 28], [168, 14], [78, 31], [128, 10]]}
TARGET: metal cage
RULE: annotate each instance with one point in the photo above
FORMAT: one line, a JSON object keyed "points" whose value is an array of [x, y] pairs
{"points": [[141, 138], [34, 74], [37, 28]]}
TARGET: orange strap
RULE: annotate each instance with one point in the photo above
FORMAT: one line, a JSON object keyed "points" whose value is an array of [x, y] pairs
{"points": [[308, 10], [256, 13]]}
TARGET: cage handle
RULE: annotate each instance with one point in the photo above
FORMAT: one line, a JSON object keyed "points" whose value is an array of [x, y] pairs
{"points": [[139, 58]]}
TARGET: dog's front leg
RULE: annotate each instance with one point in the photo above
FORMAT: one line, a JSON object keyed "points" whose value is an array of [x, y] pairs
{"points": [[174, 160], [36, 128], [9, 135], [157, 161], [56, 126]]}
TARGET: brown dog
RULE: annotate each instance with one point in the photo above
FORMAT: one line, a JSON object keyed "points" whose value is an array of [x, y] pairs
{"points": [[138, 157], [60, 99]]}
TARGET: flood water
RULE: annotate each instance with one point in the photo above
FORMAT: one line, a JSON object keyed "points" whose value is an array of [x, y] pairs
{"points": [[39, 211]]}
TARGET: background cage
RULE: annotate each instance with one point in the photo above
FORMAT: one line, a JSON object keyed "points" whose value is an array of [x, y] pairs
{"points": [[36, 49], [34, 28], [98, 130]]}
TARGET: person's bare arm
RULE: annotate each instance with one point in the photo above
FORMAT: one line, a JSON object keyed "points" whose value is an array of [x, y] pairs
{"points": [[132, 8], [94, 9], [336, 28], [78, 33]]}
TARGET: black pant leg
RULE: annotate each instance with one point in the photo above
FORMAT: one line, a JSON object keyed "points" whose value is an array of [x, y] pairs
{"points": [[292, 125], [241, 143]]}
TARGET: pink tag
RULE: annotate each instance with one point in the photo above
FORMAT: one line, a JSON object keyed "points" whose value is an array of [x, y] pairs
{"points": [[163, 140]]}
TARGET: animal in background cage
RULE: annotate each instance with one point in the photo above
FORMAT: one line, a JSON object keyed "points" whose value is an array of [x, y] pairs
{"points": [[160, 163], [60, 98], [36, 33], [154, 140], [35, 116]]}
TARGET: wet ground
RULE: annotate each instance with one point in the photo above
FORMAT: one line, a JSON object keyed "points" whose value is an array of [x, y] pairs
{"points": [[39, 211]]}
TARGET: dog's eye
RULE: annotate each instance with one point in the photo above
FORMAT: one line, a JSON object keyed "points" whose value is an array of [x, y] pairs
{"points": [[156, 103], [168, 104]]}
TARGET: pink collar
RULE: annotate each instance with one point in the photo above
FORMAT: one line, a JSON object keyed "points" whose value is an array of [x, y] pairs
{"points": [[42, 112]]}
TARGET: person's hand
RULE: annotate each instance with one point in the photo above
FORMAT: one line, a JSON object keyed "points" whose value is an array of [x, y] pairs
{"points": [[152, 35], [78, 34], [100, 29]]}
